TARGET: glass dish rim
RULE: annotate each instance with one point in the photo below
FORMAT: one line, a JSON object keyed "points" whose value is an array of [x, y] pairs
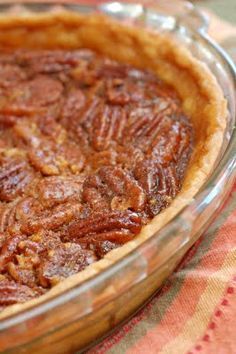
{"points": [[227, 162]]}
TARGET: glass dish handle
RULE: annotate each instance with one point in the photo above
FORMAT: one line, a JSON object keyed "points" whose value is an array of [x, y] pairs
{"points": [[182, 11], [195, 18]]}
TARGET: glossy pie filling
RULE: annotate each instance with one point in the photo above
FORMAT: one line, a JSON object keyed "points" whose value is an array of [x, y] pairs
{"points": [[90, 151]]}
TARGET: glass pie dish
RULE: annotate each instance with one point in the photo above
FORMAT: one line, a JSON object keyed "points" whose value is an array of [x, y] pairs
{"points": [[76, 317]]}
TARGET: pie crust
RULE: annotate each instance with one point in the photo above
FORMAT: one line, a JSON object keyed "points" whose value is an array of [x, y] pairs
{"points": [[201, 95]]}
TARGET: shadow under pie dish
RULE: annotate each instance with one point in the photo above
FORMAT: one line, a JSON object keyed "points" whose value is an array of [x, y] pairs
{"points": [[107, 132]]}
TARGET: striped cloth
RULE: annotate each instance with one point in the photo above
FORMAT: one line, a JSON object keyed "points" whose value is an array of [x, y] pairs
{"points": [[195, 312]]}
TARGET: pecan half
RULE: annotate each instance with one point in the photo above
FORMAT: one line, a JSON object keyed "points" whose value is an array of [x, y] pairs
{"points": [[113, 188], [12, 293], [51, 219], [57, 190], [62, 262], [15, 176], [110, 223]]}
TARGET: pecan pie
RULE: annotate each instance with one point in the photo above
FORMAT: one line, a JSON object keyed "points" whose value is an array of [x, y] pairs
{"points": [[104, 128]]}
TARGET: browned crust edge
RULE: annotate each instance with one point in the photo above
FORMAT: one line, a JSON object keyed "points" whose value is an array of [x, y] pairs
{"points": [[202, 99]]}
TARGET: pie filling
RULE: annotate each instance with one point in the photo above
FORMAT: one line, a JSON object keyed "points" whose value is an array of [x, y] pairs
{"points": [[90, 151]]}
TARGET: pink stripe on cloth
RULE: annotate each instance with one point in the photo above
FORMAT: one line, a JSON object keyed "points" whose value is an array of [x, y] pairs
{"points": [[184, 306], [219, 338]]}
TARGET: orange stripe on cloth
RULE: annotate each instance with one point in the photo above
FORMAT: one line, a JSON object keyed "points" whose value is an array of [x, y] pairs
{"points": [[186, 303]]}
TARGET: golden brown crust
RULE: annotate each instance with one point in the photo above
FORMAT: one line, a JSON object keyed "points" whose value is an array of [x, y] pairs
{"points": [[202, 99]]}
